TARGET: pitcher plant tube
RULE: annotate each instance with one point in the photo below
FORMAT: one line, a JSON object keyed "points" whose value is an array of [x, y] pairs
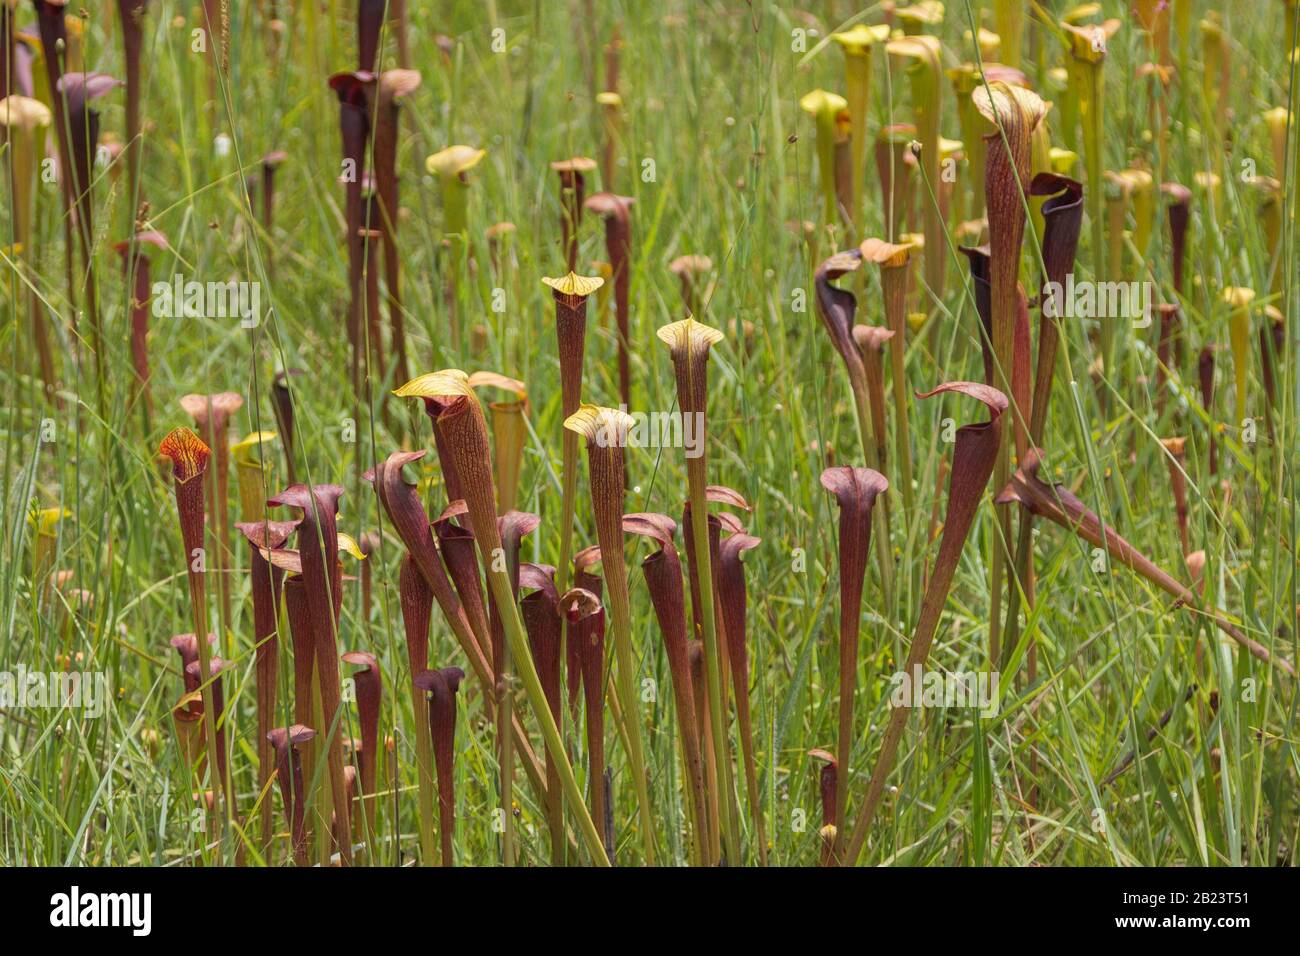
{"points": [[1175, 449], [401, 503], [253, 471], [452, 166], [605, 432], [370, 694], [355, 92], [611, 115], [965, 79], [570, 293], [271, 162], [616, 211], [825, 107], [573, 187], [733, 599], [1205, 375], [828, 787], [871, 341], [266, 582], [585, 616], [925, 73], [416, 602], [688, 344], [285, 742], [894, 165], [974, 457], [1063, 219], [25, 121], [52, 26], [456, 545], [370, 24], [1272, 351], [441, 686], [511, 527], [1062, 214], [188, 712], [136, 262], [916, 17], [1016, 112], [131, 14], [893, 259], [855, 490], [282, 404], [663, 577], [1179, 214], [394, 87], [212, 414], [541, 615], [462, 421], [323, 583], [586, 578], [1009, 24], [691, 272], [1086, 47], [509, 434], [1239, 302], [216, 717], [836, 307], [857, 43], [79, 91], [189, 460]]}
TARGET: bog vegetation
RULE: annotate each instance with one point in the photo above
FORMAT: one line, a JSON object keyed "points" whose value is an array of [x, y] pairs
{"points": [[550, 433]]}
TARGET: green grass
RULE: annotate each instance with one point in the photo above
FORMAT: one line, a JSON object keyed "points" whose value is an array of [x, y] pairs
{"points": [[711, 93]]}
